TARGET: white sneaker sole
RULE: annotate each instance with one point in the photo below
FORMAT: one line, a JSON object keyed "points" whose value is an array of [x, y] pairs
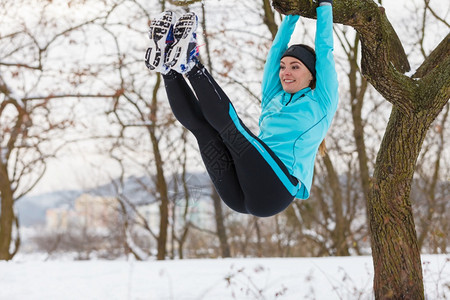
{"points": [[158, 32], [177, 56]]}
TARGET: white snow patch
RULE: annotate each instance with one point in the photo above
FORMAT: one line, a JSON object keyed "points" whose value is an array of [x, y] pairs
{"points": [[266, 278]]}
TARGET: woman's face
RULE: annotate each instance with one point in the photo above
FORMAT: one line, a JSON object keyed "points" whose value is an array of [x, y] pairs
{"points": [[294, 75]]}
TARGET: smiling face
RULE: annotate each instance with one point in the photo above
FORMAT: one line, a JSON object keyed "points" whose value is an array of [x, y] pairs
{"points": [[294, 75]]}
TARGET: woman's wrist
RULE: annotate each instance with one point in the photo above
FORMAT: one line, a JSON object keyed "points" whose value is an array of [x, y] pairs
{"points": [[325, 2]]}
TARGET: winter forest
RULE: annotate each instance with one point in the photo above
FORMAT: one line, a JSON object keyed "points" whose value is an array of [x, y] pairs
{"points": [[95, 167]]}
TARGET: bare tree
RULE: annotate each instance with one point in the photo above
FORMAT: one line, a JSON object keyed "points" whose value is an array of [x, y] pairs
{"points": [[30, 86]]}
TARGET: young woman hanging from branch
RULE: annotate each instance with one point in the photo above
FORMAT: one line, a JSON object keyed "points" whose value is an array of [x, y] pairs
{"points": [[259, 175]]}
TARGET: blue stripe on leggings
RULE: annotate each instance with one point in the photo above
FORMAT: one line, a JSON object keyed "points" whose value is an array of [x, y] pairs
{"points": [[293, 189]]}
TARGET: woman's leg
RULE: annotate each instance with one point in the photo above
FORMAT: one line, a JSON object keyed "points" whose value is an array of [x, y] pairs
{"points": [[266, 183], [216, 157]]}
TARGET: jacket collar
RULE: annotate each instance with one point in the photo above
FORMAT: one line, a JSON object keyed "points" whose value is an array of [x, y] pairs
{"points": [[290, 98]]}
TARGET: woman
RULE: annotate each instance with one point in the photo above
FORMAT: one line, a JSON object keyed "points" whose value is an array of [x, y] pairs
{"points": [[253, 175]]}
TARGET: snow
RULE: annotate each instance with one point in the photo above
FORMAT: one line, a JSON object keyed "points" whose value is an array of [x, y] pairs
{"points": [[263, 278]]}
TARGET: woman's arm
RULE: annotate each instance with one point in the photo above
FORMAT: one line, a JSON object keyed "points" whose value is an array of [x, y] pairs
{"points": [[326, 77], [271, 82]]}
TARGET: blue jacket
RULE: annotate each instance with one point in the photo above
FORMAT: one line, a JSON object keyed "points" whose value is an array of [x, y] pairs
{"points": [[294, 125]]}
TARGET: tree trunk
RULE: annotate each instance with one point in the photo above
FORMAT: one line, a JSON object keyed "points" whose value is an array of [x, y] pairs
{"points": [[416, 103], [259, 248], [6, 215], [221, 231], [395, 250], [187, 198], [161, 185]]}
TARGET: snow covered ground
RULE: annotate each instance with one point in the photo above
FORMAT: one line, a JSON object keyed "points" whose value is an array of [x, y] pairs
{"points": [[266, 278]]}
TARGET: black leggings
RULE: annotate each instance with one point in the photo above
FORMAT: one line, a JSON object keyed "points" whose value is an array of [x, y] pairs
{"points": [[245, 172]]}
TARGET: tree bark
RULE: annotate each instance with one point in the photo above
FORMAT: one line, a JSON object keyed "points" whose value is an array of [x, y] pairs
{"points": [[416, 103], [6, 214], [221, 231], [395, 251]]}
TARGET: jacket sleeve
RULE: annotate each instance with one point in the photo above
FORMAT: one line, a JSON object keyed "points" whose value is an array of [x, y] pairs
{"points": [[271, 84], [326, 77]]}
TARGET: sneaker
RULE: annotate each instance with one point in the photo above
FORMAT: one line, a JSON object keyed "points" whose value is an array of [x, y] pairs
{"points": [[161, 35], [182, 54]]}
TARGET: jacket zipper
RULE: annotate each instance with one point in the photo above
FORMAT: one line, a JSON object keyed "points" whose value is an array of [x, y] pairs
{"points": [[292, 96]]}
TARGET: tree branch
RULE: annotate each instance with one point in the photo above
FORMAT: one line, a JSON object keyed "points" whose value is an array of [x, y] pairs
{"points": [[48, 97], [436, 57], [20, 65], [435, 87], [427, 7], [182, 2], [269, 18]]}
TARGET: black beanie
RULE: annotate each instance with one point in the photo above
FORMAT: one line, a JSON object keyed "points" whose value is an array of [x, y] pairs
{"points": [[301, 53]]}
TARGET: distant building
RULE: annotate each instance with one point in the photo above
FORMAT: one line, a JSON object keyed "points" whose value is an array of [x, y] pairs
{"points": [[100, 213], [199, 212], [90, 212], [57, 218], [96, 212]]}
